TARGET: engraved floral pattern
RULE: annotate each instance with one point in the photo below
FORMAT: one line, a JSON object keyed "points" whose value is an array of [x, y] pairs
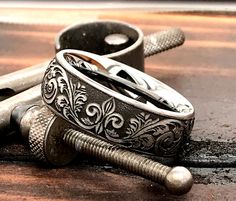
{"points": [[145, 132], [141, 131], [162, 135], [69, 99], [67, 96], [103, 115], [170, 137], [77, 63]]}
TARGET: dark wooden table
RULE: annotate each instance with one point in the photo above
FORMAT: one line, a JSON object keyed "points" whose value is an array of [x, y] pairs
{"points": [[203, 70]]}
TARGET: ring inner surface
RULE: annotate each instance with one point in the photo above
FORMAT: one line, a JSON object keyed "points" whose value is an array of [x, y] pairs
{"points": [[121, 83]]}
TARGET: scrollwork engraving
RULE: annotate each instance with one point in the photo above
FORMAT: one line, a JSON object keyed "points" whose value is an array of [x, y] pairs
{"points": [[163, 136], [67, 96], [145, 132], [102, 116]]}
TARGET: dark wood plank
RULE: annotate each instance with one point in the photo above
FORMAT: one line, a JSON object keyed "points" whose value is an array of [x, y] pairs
{"points": [[27, 181], [203, 70]]}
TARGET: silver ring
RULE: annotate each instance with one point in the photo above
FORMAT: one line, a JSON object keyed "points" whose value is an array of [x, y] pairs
{"points": [[69, 90]]}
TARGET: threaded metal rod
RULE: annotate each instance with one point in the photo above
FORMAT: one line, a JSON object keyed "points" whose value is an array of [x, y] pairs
{"points": [[177, 180], [117, 156], [50, 140], [162, 41]]}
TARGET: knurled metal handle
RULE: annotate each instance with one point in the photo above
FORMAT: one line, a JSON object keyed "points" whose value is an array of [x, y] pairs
{"points": [[162, 41]]}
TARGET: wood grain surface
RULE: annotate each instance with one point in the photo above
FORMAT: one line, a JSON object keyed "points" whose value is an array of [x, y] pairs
{"points": [[203, 70]]}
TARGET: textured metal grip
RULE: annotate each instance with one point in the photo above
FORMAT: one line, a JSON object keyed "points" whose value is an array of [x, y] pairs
{"points": [[162, 41], [37, 134], [45, 139]]}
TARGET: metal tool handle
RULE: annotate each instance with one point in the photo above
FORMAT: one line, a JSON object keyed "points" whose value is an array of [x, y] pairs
{"points": [[6, 107], [161, 41], [21, 80]]}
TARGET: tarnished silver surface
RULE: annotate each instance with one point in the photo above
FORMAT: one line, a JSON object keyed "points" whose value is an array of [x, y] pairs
{"points": [[111, 115], [29, 96], [18, 81], [26, 119]]}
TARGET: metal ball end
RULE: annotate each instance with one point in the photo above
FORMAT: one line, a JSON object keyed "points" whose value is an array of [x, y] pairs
{"points": [[179, 180]]}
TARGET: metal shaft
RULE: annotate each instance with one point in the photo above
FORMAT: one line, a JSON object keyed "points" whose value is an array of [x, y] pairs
{"points": [[6, 107], [130, 161], [18, 81]]}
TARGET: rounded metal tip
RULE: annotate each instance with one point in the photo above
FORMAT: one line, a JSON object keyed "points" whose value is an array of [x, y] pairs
{"points": [[179, 180], [116, 39], [116, 42]]}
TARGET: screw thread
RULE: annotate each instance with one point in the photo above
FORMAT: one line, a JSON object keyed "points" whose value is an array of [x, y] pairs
{"points": [[116, 155]]}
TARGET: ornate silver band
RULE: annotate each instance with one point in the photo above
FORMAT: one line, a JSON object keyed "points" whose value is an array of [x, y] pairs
{"points": [[154, 121]]}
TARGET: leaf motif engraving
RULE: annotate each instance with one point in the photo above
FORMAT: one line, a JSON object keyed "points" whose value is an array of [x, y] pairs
{"points": [[147, 141], [112, 133], [108, 107], [67, 97], [101, 117], [140, 125], [163, 136], [61, 102]]}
